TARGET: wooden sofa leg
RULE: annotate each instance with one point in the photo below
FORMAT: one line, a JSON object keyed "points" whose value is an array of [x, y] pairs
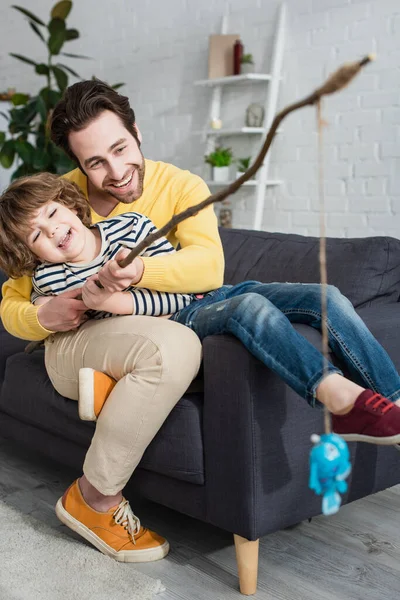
{"points": [[247, 562]]}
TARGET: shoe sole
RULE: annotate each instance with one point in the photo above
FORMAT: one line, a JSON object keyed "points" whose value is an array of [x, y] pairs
{"points": [[134, 556], [369, 439], [86, 394]]}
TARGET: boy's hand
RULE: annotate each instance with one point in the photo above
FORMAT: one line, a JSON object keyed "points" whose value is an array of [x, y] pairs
{"points": [[63, 312], [115, 279], [93, 296]]}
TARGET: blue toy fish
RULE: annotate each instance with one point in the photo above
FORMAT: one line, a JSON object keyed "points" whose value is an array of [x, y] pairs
{"points": [[329, 467]]}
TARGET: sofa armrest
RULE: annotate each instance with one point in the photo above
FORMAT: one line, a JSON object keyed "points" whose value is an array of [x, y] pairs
{"points": [[256, 443]]}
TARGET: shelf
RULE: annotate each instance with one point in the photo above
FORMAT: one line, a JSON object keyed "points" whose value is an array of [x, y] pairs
{"points": [[231, 132], [238, 131], [250, 182], [232, 79]]}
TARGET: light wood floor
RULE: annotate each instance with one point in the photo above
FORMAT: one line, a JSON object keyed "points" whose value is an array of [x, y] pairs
{"points": [[354, 555]]}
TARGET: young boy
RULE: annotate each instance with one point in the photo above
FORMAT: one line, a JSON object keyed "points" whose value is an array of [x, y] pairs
{"points": [[46, 221]]}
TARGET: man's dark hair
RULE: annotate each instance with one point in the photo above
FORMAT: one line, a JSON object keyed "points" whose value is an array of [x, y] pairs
{"points": [[81, 104]]}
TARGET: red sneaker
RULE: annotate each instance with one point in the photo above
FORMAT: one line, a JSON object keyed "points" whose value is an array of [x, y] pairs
{"points": [[372, 419]]}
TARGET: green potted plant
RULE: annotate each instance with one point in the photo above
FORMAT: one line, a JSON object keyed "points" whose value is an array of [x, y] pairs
{"points": [[246, 64], [242, 165], [220, 160], [26, 145]]}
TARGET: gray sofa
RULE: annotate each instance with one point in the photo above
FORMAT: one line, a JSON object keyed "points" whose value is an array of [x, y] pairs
{"points": [[235, 453]]}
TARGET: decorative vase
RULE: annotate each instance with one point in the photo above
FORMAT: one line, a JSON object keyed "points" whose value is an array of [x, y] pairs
{"points": [[246, 68], [221, 174]]}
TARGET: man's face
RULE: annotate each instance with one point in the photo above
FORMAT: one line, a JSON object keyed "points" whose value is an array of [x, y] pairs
{"points": [[110, 157]]}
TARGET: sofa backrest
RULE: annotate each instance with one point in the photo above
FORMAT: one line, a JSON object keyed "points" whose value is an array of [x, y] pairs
{"points": [[366, 270]]}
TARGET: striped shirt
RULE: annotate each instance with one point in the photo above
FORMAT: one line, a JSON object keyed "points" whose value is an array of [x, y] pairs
{"points": [[122, 231]]}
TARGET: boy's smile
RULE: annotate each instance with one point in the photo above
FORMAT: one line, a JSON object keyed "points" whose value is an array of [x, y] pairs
{"points": [[57, 235]]}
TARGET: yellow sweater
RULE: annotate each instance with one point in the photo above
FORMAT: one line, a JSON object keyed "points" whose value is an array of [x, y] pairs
{"points": [[197, 267]]}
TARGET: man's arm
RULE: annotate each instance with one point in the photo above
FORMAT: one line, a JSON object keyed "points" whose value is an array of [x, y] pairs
{"points": [[199, 264], [24, 320], [19, 316]]}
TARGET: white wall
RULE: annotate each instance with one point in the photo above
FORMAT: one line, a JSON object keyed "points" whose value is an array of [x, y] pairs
{"points": [[159, 48]]}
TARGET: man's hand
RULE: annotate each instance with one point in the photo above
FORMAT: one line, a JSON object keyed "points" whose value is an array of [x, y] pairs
{"points": [[115, 279], [93, 296], [63, 312]]}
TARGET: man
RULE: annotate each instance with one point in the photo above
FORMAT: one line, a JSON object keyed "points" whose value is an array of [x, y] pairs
{"points": [[155, 359]]}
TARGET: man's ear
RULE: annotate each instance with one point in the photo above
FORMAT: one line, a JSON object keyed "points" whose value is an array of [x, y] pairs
{"points": [[139, 135]]}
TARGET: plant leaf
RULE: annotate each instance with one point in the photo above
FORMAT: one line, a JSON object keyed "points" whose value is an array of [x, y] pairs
{"points": [[23, 58], [18, 99], [116, 86], [76, 55], [56, 26], [71, 34], [41, 159], [56, 42], [22, 170], [50, 97], [61, 162], [7, 154], [61, 10], [54, 97], [61, 78], [5, 115], [2, 137], [42, 69], [74, 73], [37, 31], [41, 107], [25, 151], [29, 15]]}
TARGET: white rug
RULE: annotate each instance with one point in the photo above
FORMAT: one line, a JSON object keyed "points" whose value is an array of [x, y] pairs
{"points": [[40, 563]]}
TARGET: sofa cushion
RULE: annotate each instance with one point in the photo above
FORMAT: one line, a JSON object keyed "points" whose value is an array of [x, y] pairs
{"points": [[27, 395], [366, 270]]}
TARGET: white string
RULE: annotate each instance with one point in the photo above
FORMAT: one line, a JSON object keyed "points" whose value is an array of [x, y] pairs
{"points": [[322, 259]]}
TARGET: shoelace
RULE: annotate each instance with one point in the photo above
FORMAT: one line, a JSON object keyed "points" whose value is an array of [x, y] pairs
{"points": [[381, 403], [123, 515]]}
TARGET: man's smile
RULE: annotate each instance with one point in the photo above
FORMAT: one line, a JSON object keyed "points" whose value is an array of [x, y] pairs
{"points": [[125, 182]]}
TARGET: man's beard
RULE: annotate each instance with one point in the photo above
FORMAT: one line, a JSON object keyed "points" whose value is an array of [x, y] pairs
{"points": [[134, 194]]}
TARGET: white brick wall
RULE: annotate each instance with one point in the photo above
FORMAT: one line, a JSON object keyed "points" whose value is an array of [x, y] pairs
{"points": [[159, 47]]}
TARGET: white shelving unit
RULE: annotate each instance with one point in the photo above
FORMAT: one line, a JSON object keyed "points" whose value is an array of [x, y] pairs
{"points": [[272, 81]]}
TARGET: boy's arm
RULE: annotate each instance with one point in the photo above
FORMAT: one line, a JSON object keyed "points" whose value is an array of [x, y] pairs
{"points": [[95, 298], [199, 264]]}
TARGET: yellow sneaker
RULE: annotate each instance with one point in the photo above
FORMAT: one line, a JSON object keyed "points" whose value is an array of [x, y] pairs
{"points": [[117, 532], [94, 389]]}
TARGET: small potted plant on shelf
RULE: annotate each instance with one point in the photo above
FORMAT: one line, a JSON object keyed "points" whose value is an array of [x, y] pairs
{"points": [[246, 64], [242, 166], [220, 160]]}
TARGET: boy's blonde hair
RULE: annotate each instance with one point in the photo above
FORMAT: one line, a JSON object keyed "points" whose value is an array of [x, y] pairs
{"points": [[19, 203]]}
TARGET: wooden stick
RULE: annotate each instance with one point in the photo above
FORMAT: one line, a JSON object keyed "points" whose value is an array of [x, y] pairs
{"points": [[338, 80], [335, 82]]}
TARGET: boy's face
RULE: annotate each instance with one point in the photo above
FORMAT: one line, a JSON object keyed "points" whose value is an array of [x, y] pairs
{"points": [[110, 157], [56, 234]]}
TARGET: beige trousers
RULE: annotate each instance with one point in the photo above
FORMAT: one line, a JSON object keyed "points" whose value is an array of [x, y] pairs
{"points": [[153, 360]]}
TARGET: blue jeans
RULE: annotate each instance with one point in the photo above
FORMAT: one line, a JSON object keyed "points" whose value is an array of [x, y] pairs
{"points": [[260, 316]]}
